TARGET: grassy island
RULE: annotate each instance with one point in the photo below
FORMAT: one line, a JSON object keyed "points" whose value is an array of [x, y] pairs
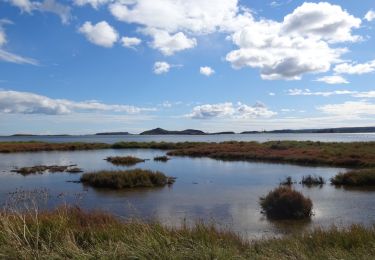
{"points": [[126, 160], [361, 177], [126, 179]]}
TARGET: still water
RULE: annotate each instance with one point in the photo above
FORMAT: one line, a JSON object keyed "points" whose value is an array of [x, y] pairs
{"points": [[206, 189], [110, 139]]}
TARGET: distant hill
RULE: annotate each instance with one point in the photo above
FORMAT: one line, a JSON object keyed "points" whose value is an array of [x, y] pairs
{"points": [[113, 133], [342, 130], [160, 131]]}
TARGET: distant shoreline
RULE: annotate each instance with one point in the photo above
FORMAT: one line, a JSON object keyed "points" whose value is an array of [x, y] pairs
{"points": [[160, 131]]}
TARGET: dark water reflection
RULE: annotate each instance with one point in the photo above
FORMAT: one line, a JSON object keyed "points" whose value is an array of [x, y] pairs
{"points": [[206, 189]]}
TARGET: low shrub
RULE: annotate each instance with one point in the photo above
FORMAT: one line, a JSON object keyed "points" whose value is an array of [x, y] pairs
{"points": [[310, 180], [286, 203], [363, 177], [126, 179], [287, 182], [126, 160]]}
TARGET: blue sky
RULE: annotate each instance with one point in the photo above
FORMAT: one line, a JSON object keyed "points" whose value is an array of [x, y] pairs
{"points": [[86, 66]]}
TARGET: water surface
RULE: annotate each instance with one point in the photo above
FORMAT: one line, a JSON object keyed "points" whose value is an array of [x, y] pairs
{"points": [[206, 189]]}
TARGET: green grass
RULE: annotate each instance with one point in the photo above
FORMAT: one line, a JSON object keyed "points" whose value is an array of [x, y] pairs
{"points": [[126, 160], [286, 203], [362, 177], [72, 233], [126, 179]]}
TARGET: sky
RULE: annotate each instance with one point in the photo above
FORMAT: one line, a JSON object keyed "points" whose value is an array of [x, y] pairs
{"points": [[87, 66]]}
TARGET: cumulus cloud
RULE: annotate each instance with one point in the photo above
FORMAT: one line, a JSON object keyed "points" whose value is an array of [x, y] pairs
{"points": [[130, 42], [298, 45], [168, 44], [335, 79], [161, 67], [349, 108], [355, 68], [370, 15], [308, 92], [101, 34], [228, 109], [27, 6], [14, 102], [207, 71]]}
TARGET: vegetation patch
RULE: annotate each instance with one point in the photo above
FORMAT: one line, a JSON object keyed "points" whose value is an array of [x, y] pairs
{"points": [[40, 169], [287, 182], [12, 147], [161, 158], [286, 203], [72, 233], [126, 179], [311, 180], [126, 160], [362, 177]]}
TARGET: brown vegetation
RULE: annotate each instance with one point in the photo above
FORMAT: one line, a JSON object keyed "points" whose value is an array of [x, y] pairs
{"points": [[362, 177], [286, 203], [161, 158], [126, 160], [40, 169], [126, 179], [12, 147]]}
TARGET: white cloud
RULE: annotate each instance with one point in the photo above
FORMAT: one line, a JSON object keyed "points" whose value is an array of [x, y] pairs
{"points": [[101, 34], [130, 42], [239, 111], [161, 67], [300, 44], [370, 15], [94, 3], [335, 79], [207, 71], [168, 44], [14, 102], [8, 56], [308, 92], [355, 68], [14, 58], [349, 108], [27, 6], [272, 94]]}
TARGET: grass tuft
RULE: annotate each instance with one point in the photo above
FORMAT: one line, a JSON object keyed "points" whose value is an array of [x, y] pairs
{"points": [[286, 203], [126, 160], [126, 179], [363, 177], [161, 158], [311, 180]]}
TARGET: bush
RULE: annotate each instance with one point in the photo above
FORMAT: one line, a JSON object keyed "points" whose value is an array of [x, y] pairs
{"points": [[126, 179], [364, 177], [287, 182], [310, 180], [286, 203], [127, 160]]}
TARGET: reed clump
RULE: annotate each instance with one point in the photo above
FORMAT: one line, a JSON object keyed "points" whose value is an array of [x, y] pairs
{"points": [[286, 203], [361, 177], [124, 160], [311, 180], [161, 158], [136, 178]]}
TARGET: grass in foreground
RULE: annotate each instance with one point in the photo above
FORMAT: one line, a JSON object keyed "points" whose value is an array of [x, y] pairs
{"points": [[126, 179], [362, 177], [72, 233], [286, 203], [126, 160]]}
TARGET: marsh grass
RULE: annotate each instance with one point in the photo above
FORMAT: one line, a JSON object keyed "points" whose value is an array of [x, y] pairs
{"points": [[69, 232], [40, 169], [311, 180], [287, 182], [362, 177], [126, 179], [124, 160], [286, 203], [161, 158]]}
